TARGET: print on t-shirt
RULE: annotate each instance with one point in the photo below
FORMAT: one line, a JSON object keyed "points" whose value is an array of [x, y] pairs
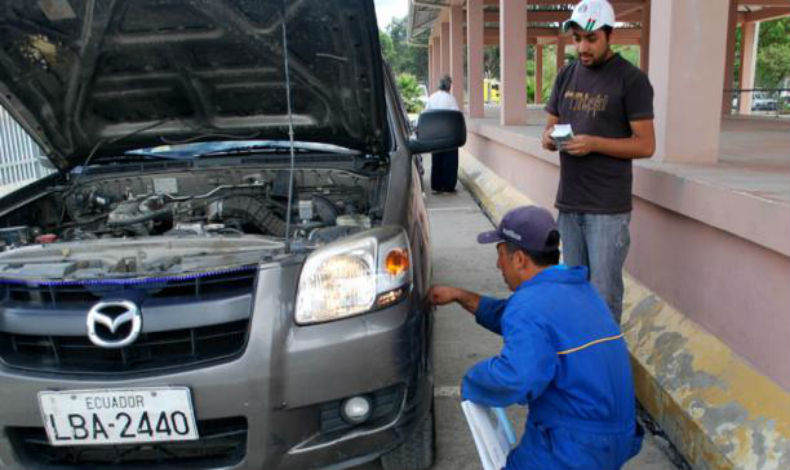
{"points": [[591, 103]]}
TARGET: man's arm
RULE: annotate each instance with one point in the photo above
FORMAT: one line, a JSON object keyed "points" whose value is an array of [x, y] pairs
{"points": [[546, 140], [521, 371], [487, 311], [641, 144], [442, 295]]}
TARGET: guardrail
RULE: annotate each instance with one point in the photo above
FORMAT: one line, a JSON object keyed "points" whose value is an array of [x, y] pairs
{"points": [[19, 155]]}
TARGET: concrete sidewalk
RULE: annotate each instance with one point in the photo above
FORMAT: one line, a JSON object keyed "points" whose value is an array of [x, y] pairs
{"points": [[459, 342]]}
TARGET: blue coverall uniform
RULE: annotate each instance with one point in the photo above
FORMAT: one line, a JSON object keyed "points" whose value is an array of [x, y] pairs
{"points": [[566, 359]]}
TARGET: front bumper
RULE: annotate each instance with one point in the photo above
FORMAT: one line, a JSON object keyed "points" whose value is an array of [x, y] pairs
{"points": [[280, 384]]}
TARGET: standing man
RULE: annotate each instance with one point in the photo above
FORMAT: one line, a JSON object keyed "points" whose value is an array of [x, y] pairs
{"points": [[444, 165], [563, 355], [609, 104]]}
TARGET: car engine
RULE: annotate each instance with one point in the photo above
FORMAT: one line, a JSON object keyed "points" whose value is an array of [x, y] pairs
{"points": [[183, 221]]}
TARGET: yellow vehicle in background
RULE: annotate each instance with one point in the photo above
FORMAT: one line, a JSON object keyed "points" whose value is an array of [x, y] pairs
{"points": [[491, 90]]}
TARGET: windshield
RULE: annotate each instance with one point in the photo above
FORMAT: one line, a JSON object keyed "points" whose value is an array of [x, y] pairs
{"points": [[199, 149]]}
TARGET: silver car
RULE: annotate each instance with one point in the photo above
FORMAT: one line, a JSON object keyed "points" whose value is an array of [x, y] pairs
{"points": [[228, 267]]}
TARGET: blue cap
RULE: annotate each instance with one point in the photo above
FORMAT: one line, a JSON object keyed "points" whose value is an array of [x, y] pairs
{"points": [[528, 227]]}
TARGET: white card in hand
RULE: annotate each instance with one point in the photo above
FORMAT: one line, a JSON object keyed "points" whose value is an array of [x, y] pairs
{"points": [[561, 133]]}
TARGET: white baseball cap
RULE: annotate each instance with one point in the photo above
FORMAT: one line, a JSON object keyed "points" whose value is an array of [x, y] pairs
{"points": [[591, 15]]}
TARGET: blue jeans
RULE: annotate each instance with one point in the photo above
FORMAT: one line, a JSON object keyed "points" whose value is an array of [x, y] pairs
{"points": [[600, 242]]}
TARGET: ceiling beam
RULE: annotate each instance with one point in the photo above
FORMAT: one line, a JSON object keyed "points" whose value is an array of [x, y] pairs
{"points": [[633, 15], [493, 40], [491, 35], [615, 3], [763, 3], [766, 14]]}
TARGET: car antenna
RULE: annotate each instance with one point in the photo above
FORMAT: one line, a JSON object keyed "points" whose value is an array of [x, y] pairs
{"points": [[290, 132]]}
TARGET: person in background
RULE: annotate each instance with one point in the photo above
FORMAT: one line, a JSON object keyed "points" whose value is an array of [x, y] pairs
{"points": [[609, 104], [444, 165]]}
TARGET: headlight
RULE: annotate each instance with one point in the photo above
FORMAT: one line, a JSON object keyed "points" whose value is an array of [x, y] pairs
{"points": [[355, 275]]}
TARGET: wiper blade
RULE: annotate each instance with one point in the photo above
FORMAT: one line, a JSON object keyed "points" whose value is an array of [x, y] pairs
{"points": [[151, 156], [256, 149]]}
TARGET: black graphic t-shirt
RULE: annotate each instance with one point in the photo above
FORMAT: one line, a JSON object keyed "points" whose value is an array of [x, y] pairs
{"points": [[599, 101]]}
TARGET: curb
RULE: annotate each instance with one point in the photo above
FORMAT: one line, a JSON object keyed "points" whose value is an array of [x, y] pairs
{"points": [[714, 407]]}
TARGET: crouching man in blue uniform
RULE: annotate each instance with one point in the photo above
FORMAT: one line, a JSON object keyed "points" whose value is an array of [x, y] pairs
{"points": [[563, 354]]}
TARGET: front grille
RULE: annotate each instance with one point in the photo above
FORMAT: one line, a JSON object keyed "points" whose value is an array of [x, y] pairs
{"points": [[198, 286], [151, 352], [222, 442]]}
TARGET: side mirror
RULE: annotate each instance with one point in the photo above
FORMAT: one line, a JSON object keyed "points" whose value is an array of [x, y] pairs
{"points": [[438, 131]]}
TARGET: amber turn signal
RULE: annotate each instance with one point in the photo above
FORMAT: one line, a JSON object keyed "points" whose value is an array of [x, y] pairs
{"points": [[397, 262]]}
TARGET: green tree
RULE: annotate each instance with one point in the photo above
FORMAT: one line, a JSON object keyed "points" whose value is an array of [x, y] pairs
{"points": [[629, 53], [402, 56], [387, 49], [773, 54], [491, 61], [409, 92]]}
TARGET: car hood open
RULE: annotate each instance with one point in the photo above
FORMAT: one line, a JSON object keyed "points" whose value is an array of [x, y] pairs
{"points": [[105, 77]]}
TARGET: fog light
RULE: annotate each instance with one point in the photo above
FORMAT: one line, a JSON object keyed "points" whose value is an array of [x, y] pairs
{"points": [[356, 410]]}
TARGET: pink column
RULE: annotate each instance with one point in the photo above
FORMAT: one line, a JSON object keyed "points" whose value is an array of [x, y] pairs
{"points": [[430, 64], [474, 61], [445, 38], [437, 60], [686, 57], [538, 73], [750, 33], [644, 40], [729, 59], [560, 51], [512, 61], [457, 53]]}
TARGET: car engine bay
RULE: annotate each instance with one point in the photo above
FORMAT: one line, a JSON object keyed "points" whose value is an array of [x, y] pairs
{"points": [[182, 221]]}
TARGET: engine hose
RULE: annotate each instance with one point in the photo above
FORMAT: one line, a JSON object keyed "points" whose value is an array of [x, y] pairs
{"points": [[254, 212], [326, 210], [122, 219]]}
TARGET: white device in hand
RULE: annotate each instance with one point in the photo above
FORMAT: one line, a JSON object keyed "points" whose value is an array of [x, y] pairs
{"points": [[561, 134]]}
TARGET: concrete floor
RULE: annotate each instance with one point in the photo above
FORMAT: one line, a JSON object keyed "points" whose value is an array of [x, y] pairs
{"points": [[459, 342]]}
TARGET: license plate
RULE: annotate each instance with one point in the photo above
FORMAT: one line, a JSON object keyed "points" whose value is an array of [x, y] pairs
{"points": [[137, 415]]}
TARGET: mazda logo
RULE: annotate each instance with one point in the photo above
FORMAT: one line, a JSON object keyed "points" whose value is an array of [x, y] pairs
{"points": [[114, 324]]}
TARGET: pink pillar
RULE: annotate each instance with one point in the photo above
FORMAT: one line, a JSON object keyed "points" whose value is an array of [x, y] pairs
{"points": [[457, 53], [444, 35], [474, 61], [749, 35], [644, 40], [729, 59], [512, 61], [686, 58], [437, 60], [430, 64], [538, 73], [560, 51]]}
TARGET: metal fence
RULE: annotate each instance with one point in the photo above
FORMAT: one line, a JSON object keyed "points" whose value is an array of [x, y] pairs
{"points": [[760, 101], [19, 154]]}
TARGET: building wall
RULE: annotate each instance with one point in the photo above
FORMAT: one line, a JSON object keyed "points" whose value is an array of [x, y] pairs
{"points": [[733, 287]]}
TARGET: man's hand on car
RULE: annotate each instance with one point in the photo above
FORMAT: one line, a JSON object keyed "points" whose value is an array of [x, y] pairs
{"points": [[546, 140], [580, 145], [442, 295]]}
